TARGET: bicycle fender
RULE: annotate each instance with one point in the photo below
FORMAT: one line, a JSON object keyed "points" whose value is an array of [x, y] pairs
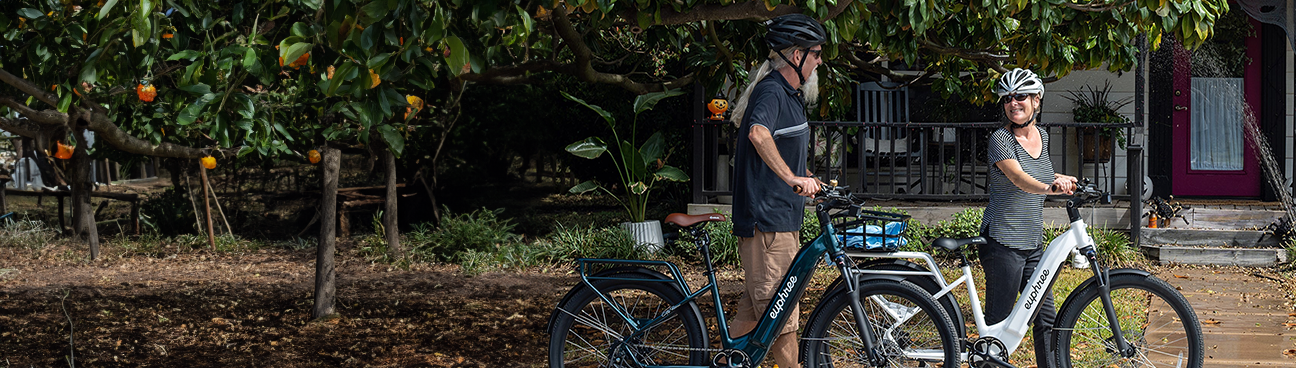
{"points": [[1091, 281], [625, 271]]}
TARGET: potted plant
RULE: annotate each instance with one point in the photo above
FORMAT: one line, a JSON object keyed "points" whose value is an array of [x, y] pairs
{"points": [[1096, 106], [639, 169]]}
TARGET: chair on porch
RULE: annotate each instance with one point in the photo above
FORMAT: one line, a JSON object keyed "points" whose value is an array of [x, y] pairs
{"points": [[884, 146]]}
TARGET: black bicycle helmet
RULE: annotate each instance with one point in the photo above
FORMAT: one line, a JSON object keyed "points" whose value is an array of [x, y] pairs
{"points": [[794, 29]]}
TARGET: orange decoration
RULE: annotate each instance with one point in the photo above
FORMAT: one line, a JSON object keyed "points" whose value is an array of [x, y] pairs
{"points": [[168, 35], [146, 91], [331, 69], [375, 78], [416, 105], [64, 151], [314, 156], [208, 162], [53, 87]]}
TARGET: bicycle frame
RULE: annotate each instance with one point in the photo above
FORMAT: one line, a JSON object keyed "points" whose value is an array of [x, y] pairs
{"points": [[754, 344], [1012, 330]]}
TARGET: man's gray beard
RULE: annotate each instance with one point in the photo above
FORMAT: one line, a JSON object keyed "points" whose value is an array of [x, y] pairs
{"points": [[811, 89]]}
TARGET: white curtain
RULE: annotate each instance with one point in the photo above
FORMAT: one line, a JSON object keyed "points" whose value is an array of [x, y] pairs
{"points": [[1216, 135]]}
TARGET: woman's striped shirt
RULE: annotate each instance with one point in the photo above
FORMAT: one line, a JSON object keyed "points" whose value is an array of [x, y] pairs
{"points": [[1014, 217]]}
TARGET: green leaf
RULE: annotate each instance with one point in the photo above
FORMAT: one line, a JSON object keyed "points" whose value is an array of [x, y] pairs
{"points": [[590, 148], [108, 5], [244, 106], [296, 51], [653, 148], [30, 13], [65, 102], [647, 101], [583, 187], [378, 60], [198, 89], [671, 173], [302, 30], [141, 29], [395, 140], [374, 10], [186, 54], [190, 114], [343, 73], [458, 55], [604, 113]]}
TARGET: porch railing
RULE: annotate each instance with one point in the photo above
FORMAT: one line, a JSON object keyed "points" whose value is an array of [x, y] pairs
{"points": [[916, 160]]}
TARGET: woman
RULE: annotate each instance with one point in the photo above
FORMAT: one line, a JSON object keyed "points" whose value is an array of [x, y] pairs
{"points": [[1021, 175]]}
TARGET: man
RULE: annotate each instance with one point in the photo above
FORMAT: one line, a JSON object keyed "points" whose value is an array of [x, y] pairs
{"points": [[771, 152]]}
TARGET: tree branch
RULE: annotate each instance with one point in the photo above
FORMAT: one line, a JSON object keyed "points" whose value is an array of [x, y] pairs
{"points": [[46, 117], [20, 127], [972, 55], [28, 88], [111, 133], [581, 67]]}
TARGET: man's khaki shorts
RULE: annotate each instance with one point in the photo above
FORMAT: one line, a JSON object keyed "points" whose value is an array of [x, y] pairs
{"points": [[765, 258]]}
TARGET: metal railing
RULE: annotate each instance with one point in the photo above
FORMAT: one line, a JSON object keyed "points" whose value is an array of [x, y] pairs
{"points": [[916, 160]]}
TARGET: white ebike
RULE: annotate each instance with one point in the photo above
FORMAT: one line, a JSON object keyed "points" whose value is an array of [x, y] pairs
{"points": [[1117, 318]]}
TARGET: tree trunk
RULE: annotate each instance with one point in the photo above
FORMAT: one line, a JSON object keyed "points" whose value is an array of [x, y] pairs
{"points": [[83, 223], [325, 283], [390, 225]]}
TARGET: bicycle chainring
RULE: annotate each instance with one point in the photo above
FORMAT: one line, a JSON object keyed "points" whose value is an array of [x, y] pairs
{"points": [[985, 347]]}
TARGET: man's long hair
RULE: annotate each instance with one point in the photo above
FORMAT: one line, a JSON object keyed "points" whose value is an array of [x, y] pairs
{"points": [[773, 63]]}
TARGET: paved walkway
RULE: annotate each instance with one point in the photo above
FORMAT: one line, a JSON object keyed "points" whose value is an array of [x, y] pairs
{"points": [[1247, 320]]}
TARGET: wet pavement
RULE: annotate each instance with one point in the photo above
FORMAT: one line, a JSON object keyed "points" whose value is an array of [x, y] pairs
{"points": [[1247, 320]]}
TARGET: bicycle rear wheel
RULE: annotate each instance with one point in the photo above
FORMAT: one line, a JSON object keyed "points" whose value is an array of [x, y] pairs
{"points": [[1155, 319], [911, 330], [589, 332]]}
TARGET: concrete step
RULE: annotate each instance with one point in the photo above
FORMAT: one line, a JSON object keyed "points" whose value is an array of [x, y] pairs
{"points": [[1167, 254]]}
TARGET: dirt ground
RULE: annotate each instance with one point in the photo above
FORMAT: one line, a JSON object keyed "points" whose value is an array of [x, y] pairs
{"points": [[201, 308]]}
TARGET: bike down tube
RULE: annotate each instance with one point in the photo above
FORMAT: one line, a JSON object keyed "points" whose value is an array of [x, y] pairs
{"points": [[1013, 329]]}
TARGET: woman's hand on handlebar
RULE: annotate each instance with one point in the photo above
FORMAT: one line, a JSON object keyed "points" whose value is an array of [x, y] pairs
{"points": [[806, 186], [1064, 184]]}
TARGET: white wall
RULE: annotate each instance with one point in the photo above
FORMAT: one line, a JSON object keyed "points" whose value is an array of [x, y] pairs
{"points": [[1057, 109]]}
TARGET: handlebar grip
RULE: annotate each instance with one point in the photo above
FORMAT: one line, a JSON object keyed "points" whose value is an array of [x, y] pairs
{"points": [[797, 189], [1053, 188]]}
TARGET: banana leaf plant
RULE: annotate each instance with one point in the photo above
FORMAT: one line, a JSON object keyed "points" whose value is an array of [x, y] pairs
{"points": [[639, 169]]}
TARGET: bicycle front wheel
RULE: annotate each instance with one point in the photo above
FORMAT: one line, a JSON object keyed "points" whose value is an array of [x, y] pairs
{"points": [[1154, 318], [909, 328], [591, 332]]}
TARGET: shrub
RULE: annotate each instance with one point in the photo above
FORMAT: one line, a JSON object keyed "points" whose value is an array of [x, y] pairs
{"points": [[480, 230]]}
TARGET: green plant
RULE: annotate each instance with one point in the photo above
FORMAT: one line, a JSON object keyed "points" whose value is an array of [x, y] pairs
{"points": [[639, 169], [1096, 106], [1114, 246], [480, 230], [26, 234]]}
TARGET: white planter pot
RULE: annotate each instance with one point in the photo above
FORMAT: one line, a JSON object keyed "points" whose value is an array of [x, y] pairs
{"points": [[646, 234]]}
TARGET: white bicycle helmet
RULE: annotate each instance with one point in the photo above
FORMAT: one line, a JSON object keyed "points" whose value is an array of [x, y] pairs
{"points": [[1017, 81]]}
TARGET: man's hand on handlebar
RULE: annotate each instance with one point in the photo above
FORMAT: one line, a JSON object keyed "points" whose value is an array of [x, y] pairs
{"points": [[806, 186]]}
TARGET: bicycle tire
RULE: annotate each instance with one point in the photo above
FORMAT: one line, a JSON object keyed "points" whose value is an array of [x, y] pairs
{"points": [[588, 335], [925, 338], [1154, 317]]}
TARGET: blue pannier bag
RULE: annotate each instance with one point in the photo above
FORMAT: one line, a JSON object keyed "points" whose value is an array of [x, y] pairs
{"points": [[871, 237]]}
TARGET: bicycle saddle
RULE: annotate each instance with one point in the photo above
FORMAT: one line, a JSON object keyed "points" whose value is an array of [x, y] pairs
{"points": [[683, 220], [954, 244]]}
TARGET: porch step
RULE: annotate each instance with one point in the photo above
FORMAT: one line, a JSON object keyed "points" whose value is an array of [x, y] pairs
{"points": [[1215, 255], [1213, 218], [1209, 238]]}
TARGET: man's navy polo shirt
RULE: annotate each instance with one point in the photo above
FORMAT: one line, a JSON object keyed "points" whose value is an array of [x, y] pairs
{"points": [[761, 199]]}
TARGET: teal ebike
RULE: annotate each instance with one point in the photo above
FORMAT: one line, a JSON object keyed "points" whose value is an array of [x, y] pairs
{"points": [[643, 313]]}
